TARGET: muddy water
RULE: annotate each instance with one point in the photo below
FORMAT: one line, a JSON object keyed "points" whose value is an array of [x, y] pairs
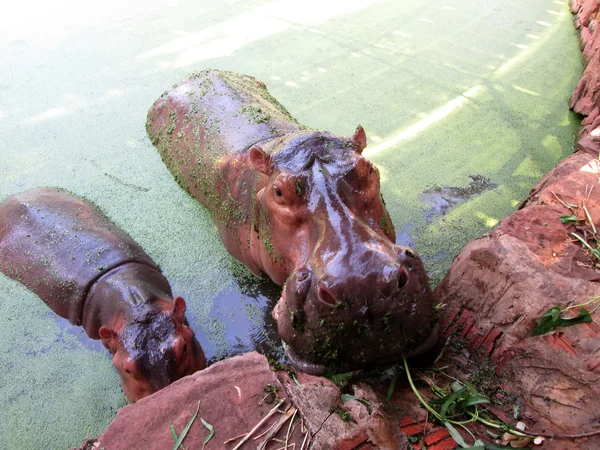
{"points": [[464, 103]]}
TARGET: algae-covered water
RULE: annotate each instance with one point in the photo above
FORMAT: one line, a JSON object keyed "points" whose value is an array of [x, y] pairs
{"points": [[465, 104]]}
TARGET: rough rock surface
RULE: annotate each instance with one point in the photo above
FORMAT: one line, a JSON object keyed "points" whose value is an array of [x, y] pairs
{"points": [[234, 397], [500, 285], [586, 97]]}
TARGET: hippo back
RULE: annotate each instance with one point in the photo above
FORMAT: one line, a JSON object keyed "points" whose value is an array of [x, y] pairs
{"points": [[58, 246], [217, 112], [208, 116]]}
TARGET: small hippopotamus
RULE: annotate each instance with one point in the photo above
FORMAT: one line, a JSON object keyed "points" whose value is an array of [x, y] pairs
{"points": [[92, 273], [304, 208]]}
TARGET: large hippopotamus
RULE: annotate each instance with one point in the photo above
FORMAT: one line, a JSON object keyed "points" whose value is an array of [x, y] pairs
{"points": [[304, 208], [93, 274]]}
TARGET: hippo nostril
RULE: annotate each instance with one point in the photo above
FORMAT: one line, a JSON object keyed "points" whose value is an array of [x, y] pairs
{"points": [[402, 278], [406, 254], [326, 296], [302, 276]]}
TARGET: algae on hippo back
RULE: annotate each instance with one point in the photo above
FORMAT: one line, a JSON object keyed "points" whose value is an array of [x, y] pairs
{"points": [[305, 209]]}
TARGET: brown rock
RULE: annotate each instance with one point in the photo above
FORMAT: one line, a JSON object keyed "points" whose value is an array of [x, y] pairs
{"points": [[234, 397], [585, 97], [587, 10], [570, 181], [338, 426], [231, 395], [509, 278]]}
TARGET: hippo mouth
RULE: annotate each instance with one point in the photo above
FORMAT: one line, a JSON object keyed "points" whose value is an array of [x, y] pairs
{"points": [[313, 368], [303, 365], [360, 329]]}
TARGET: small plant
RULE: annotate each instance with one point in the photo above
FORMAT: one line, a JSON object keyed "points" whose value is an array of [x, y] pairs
{"points": [[459, 407], [553, 318]]}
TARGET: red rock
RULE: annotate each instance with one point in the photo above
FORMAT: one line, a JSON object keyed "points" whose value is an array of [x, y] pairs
{"points": [[232, 399], [570, 180], [231, 396], [320, 402], [509, 278], [585, 97], [437, 436], [589, 39], [586, 11]]}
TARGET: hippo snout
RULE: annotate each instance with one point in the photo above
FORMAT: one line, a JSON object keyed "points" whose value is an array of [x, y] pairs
{"points": [[371, 315]]}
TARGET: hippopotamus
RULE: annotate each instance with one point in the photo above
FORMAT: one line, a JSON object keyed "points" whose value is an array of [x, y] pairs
{"points": [[304, 208], [92, 273]]}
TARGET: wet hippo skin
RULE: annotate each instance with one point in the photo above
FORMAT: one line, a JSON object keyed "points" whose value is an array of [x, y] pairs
{"points": [[303, 208], [93, 274]]}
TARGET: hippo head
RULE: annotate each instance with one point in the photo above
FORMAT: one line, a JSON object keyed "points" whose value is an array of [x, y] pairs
{"points": [[352, 298], [154, 350]]}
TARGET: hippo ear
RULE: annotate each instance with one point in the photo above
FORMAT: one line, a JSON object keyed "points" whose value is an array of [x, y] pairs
{"points": [[179, 308], [359, 139], [260, 160], [109, 338]]}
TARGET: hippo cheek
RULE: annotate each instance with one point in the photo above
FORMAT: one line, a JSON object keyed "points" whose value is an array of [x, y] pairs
{"points": [[189, 356], [195, 359], [135, 387]]}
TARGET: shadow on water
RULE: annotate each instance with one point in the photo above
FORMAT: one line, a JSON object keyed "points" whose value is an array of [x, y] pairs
{"points": [[244, 316], [441, 199]]}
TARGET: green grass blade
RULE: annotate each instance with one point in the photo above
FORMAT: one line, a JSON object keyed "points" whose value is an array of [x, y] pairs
{"points": [[175, 437], [473, 400], [449, 404], [211, 431], [456, 436], [186, 429]]}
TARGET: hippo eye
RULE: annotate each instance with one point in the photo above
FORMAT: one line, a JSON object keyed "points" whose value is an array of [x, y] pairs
{"points": [[185, 348], [277, 191]]}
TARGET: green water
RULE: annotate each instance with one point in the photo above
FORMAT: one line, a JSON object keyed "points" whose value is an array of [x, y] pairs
{"points": [[445, 91]]}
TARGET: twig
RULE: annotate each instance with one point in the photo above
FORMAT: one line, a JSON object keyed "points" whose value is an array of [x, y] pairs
{"points": [[230, 440], [275, 428], [259, 424], [580, 305], [271, 427], [563, 203], [306, 436], [287, 436], [286, 447], [562, 436], [587, 213]]}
